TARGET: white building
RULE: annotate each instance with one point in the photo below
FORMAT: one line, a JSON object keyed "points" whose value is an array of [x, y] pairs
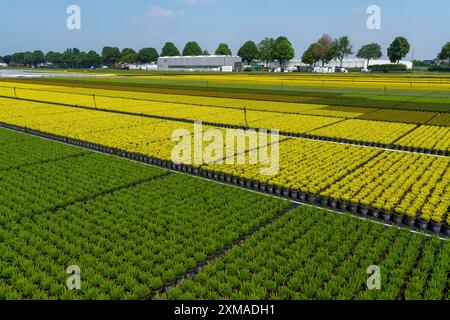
{"points": [[3, 65], [200, 63], [347, 63]]}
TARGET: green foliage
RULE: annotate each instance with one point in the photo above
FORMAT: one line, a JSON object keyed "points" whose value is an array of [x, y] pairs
{"points": [[343, 48], [265, 48], [282, 50], [131, 228], [110, 55], [147, 55], [439, 69], [128, 56], [398, 49], [308, 56], [38, 57], [370, 51], [311, 254], [445, 53], [249, 52], [192, 49], [386, 68], [169, 50], [223, 50]]}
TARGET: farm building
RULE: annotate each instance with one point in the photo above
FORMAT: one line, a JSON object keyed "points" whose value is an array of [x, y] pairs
{"points": [[200, 63]]}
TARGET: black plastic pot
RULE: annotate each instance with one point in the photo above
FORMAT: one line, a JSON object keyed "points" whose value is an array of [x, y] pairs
{"points": [[375, 213], [278, 191], [235, 180], [446, 229], [311, 198], [228, 178], [242, 182], [324, 201], [269, 189], [422, 224], [333, 203], [255, 185], [262, 187], [398, 218], [294, 194], [353, 208], [386, 217], [302, 196], [209, 174], [221, 177], [435, 227], [342, 205], [364, 210], [286, 192], [409, 221], [248, 183]]}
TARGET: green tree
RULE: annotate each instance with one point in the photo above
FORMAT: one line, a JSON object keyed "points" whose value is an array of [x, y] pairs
{"points": [[147, 55], [169, 50], [93, 59], [308, 56], [370, 51], [249, 52], [398, 49], [445, 53], [128, 56], [343, 48], [37, 57], [18, 58], [110, 55], [28, 58], [223, 50], [7, 59], [205, 53], [265, 48], [282, 50], [54, 57], [192, 49]]}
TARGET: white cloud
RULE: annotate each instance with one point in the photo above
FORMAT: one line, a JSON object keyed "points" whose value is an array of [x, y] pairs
{"points": [[160, 12]]}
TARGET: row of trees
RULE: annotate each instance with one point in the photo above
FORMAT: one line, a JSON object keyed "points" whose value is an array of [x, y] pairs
{"points": [[323, 50], [326, 49], [74, 58]]}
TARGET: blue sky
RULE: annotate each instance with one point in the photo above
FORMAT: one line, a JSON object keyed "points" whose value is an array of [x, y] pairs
{"points": [[30, 24]]}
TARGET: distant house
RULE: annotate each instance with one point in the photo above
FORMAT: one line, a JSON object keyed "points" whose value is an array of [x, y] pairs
{"points": [[431, 62]]}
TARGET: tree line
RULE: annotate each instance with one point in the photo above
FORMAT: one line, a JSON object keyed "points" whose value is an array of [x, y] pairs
{"points": [[324, 50]]}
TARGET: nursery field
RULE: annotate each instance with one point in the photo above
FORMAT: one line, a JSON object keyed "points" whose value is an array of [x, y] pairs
{"points": [[141, 232], [400, 92], [392, 169], [208, 228]]}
